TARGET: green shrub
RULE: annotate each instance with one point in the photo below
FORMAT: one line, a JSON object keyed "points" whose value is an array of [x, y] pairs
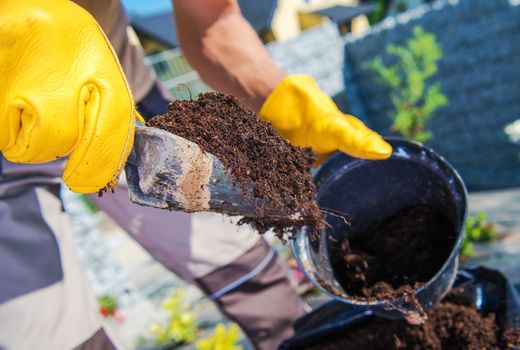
{"points": [[414, 103], [107, 305], [477, 230]]}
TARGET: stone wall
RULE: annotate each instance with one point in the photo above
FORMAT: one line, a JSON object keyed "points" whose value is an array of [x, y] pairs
{"points": [[317, 52], [479, 73]]}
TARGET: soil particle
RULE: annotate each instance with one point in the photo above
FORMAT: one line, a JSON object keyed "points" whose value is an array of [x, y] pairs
{"points": [[395, 256], [511, 338], [255, 155], [449, 327]]}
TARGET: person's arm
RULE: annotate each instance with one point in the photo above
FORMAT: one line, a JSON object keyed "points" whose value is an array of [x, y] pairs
{"points": [[225, 50]]}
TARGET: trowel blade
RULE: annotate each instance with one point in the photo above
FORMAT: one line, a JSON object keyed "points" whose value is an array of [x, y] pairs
{"points": [[169, 172]]}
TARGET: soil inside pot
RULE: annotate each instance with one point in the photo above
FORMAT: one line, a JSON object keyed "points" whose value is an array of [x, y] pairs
{"points": [[395, 256], [254, 154], [449, 326]]}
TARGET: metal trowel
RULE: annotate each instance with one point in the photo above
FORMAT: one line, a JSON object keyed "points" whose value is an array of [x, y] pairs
{"points": [[169, 172]]}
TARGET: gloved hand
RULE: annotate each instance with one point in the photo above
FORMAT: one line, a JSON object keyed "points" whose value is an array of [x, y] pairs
{"points": [[307, 117], [63, 93]]}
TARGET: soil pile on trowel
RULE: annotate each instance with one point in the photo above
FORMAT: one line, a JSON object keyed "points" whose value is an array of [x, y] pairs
{"points": [[449, 327], [256, 156], [395, 256]]}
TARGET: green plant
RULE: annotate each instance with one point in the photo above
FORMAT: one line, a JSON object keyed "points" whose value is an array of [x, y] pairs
{"points": [[477, 230], [107, 305], [414, 103], [88, 203], [181, 326], [222, 339], [380, 10]]}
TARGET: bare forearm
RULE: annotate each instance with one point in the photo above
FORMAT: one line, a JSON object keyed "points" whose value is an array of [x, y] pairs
{"points": [[224, 49]]}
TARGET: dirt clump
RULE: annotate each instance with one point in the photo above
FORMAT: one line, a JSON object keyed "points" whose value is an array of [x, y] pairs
{"points": [[254, 154], [449, 327], [395, 256]]}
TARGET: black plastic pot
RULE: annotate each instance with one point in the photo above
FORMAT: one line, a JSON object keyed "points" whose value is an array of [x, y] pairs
{"points": [[368, 191], [487, 289]]}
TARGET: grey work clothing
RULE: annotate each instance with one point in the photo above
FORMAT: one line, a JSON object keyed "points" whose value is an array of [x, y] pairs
{"points": [[45, 302], [100, 340], [264, 303], [257, 304], [29, 251]]}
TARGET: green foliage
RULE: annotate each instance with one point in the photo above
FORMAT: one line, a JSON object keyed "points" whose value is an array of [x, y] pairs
{"points": [[222, 339], [182, 324], [414, 103], [88, 203], [477, 230], [107, 305], [379, 12]]}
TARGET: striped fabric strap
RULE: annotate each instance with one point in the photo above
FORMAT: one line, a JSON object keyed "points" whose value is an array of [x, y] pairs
{"points": [[240, 281]]}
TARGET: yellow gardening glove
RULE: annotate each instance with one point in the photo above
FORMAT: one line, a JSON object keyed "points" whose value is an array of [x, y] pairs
{"points": [[309, 118], [63, 93]]}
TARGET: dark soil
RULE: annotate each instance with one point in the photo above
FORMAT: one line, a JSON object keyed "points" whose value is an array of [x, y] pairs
{"points": [[449, 327], [255, 155], [394, 257]]}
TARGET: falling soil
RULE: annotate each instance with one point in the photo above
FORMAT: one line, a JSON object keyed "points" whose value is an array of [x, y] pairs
{"points": [[254, 154], [449, 327], [395, 256]]}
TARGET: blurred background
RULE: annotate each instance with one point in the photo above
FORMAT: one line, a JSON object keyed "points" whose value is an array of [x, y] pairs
{"points": [[446, 73]]}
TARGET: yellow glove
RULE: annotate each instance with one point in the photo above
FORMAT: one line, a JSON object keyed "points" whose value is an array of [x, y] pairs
{"points": [[63, 93], [309, 118]]}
